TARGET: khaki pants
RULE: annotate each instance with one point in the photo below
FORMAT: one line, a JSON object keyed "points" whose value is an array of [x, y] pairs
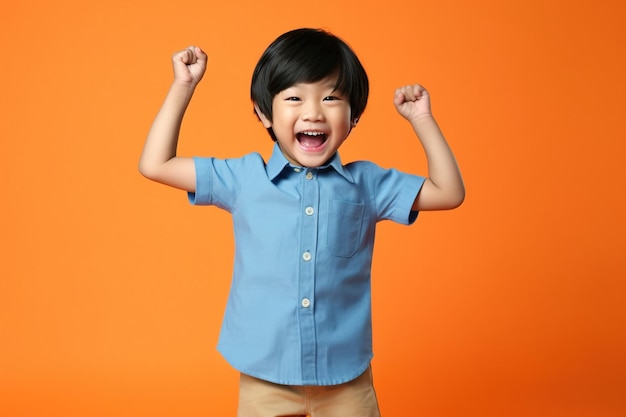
{"points": [[356, 398]]}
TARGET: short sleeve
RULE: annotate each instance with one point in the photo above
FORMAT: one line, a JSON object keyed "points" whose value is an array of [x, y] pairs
{"points": [[220, 181], [395, 193]]}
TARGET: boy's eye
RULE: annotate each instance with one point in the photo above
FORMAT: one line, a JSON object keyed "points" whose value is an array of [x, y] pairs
{"points": [[293, 98]]}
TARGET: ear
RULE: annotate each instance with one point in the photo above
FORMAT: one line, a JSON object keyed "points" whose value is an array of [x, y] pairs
{"points": [[267, 123], [355, 121]]}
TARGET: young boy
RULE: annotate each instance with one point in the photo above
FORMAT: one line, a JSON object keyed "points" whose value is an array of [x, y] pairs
{"points": [[298, 320]]}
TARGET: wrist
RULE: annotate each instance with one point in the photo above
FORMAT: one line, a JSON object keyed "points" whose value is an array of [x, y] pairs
{"points": [[182, 88], [425, 126], [422, 119], [186, 84]]}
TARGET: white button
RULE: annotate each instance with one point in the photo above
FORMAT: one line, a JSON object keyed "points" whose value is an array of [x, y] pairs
{"points": [[306, 256], [309, 211], [297, 169], [309, 175], [306, 303]]}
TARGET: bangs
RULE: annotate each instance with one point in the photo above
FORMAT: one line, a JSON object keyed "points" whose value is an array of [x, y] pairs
{"points": [[308, 61]]}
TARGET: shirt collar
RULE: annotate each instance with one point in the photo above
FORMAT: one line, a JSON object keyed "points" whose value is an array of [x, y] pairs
{"points": [[278, 162]]}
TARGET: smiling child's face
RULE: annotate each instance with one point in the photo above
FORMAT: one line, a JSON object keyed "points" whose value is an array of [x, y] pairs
{"points": [[310, 122]]}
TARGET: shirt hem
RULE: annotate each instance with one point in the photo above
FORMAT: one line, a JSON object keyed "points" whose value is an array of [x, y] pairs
{"points": [[299, 382]]}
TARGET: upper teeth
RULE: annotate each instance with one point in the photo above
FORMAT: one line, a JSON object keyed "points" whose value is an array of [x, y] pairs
{"points": [[313, 133]]}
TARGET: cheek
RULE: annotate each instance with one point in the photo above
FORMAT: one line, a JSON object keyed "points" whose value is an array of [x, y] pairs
{"points": [[346, 122], [342, 117], [284, 116]]}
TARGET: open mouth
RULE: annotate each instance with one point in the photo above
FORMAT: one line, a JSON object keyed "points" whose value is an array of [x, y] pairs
{"points": [[311, 140]]}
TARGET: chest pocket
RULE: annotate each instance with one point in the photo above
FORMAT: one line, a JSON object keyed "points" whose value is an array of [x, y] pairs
{"points": [[345, 220]]}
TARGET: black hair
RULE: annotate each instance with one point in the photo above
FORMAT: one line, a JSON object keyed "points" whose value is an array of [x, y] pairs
{"points": [[305, 56]]}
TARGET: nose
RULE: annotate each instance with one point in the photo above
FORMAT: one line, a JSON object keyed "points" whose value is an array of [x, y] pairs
{"points": [[312, 111]]}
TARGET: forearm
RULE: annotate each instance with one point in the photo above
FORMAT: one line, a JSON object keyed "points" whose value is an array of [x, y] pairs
{"points": [[444, 187], [162, 140], [158, 160]]}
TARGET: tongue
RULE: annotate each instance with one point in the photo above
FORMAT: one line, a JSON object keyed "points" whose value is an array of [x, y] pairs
{"points": [[309, 141]]}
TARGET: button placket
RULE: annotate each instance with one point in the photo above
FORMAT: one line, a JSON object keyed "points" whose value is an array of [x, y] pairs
{"points": [[306, 281]]}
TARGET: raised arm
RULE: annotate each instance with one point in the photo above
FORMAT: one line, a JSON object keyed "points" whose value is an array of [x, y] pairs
{"points": [[444, 187], [158, 160]]}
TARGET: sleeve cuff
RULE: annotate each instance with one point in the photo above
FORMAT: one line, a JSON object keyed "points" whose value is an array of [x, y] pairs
{"points": [[204, 179]]}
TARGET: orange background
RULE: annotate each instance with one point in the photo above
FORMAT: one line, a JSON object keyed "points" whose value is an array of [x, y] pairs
{"points": [[112, 287]]}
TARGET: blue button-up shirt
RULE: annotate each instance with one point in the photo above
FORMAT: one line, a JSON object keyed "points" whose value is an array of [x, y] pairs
{"points": [[299, 310]]}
